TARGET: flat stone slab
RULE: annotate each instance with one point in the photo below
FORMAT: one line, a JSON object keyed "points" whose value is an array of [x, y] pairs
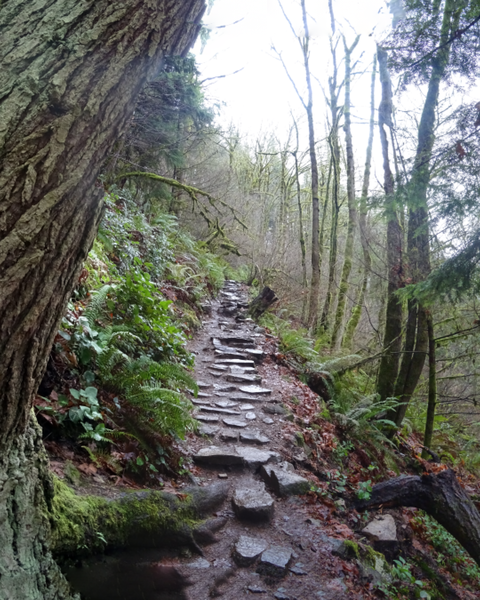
{"points": [[274, 561], [202, 385], [207, 430], [216, 367], [198, 563], [268, 421], [244, 378], [253, 437], [248, 399], [234, 340], [235, 370], [247, 550], [241, 362], [207, 418], [235, 423], [254, 353], [215, 455], [223, 411], [229, 435], [200, 402], [226, 404], [216, 374], [255, 458], [250, 416], [246, 407], [232, 354], [203, 395], [381, 529], [224, 388], [253, 502], [284, 481], [254, 389]]}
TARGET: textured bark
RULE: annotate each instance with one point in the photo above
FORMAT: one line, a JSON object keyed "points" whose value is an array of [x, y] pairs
{"points": [[432, 387], [352, 324], [71, 71], [418, 242], [352, 205], [441, 496], [262, 302], [392, 340], [25, 489]]}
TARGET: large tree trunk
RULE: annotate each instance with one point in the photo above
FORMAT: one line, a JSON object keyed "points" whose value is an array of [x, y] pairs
{"points": [[71, 71], [416, 339], [392, 340], [441, 496]]}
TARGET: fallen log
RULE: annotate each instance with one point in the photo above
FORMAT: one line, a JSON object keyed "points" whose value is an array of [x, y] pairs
{"points": [[263, 301], [439, 495]]}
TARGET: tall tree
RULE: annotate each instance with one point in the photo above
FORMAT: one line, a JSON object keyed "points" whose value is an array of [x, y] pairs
{"points": [[352, 203], [71, 72]]}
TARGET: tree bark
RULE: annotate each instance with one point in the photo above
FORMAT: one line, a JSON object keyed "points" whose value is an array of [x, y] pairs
{"points": [[432, 387], [392, 340], [362, 221], [352, 205], [441, 496], [262, 302], [418, 242], [71, 72]]}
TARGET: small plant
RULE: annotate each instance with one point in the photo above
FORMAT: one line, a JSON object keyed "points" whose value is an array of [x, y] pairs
{"points": [[364, 490]]}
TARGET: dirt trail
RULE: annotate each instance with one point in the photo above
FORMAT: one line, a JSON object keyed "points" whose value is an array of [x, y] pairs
{"points": [[262, 543]]}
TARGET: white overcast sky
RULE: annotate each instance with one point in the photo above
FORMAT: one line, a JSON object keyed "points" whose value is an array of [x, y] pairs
{"points": [[260, 96]]}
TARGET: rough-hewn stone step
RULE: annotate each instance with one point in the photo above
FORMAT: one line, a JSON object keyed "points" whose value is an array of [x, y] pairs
{"points": [[252, 502]]}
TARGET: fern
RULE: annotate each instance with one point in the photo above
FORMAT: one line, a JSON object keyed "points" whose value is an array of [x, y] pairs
{"points": [[96, 307]]}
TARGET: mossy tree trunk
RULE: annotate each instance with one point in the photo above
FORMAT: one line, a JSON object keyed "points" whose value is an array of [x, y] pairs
{"points": [[71, 71], [352, 203], [356, 313], [392, 339], [418, 243]]}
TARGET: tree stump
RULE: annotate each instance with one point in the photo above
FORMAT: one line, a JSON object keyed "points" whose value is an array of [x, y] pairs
{"points": [[264, 300]]}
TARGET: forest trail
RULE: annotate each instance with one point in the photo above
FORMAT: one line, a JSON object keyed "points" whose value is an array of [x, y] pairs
{"points": [[265, 544]]}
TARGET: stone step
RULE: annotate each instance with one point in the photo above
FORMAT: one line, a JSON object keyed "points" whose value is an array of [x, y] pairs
{"points": [[254, 389], [207, 418], [235, 423], [274, 561], [247, 550], [239, 455], [226, 404], [283, 480], [224, 388], [252, 502], [253, 437], [236, 370], [244, 378], [222, 411]]}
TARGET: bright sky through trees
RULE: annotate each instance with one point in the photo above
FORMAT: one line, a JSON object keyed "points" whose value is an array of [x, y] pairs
{"points": [[260, 95]]}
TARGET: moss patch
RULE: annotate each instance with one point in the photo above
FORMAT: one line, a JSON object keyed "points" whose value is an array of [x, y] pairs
{"points": [[87, 525]]}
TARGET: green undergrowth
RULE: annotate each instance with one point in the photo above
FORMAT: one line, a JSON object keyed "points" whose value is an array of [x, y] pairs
{"points": [[86, 525], [119, 372]]}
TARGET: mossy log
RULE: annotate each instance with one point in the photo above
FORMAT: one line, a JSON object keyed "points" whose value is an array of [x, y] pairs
{"points": [[264, 300], [441, 496], [86, 525]]}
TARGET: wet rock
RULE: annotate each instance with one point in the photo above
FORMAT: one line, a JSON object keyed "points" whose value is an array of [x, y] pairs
{"points": [[202, 385], [229, 436], [216, 367], [216, 374], [235, 422], [226, 404], [256, 589], [381, 529], [207, 430], [235, 341], [254, 458], [200, 402], [248, 399], [281, 594], [250, 416], [198, 563], [242, 362], [298, 569], [235, 370], [207, 418], [257, 355], [284, 481], [253, 437], [246, 407], [203, 395], [214, 455], [247, 550], [222, 411], [253, 502], [274, 409], [229, 355], [245, 379], [255, 389], [222, 476], [224, 388], [274, 561], [268, 421]]}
